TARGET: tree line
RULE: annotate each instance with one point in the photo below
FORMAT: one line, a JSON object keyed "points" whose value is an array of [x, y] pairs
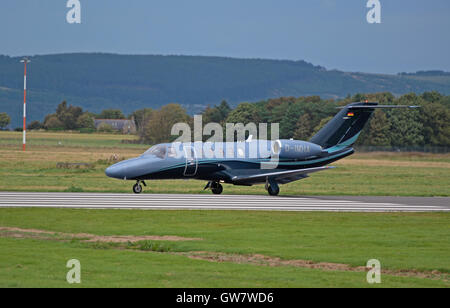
{"points": [[298, 117], [68, 117], [302, 117]]}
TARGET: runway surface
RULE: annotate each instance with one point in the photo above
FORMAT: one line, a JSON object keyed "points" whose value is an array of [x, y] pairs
{"points": [[222, 202]]}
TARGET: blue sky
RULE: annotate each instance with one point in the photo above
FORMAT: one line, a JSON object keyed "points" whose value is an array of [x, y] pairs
{"points": [[414, 35]]}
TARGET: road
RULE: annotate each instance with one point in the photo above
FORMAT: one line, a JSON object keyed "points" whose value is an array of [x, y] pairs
{"points": [[222, 202]]}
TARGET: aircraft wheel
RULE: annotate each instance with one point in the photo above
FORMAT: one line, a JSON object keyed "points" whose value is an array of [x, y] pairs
{"points": [[137, 188], [217, 189], [273, 191]]}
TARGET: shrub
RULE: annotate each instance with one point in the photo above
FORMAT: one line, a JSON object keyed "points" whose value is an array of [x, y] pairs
{"points": [[53, 123], [35, 125], [105, 128]]}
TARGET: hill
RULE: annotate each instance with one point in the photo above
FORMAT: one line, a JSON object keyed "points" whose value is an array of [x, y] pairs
{"points": [[130, 82]]}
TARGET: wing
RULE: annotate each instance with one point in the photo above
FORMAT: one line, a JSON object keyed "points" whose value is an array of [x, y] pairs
{"points": [[281, 177]]}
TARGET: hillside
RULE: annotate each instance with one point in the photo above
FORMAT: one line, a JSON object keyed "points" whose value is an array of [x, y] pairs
{"points": [[100, 81]]}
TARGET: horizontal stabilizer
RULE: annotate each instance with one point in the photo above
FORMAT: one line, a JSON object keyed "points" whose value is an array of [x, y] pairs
{"points": [[378, 106]]}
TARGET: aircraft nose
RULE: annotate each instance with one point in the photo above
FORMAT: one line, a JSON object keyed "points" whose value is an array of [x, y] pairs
{"points": [[115, 171], [129, 169]]}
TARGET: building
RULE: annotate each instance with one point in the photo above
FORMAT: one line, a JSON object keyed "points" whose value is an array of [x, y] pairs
{"points": [[124, 126]]}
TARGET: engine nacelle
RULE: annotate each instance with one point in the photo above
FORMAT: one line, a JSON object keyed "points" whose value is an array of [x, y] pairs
{"points": [[294, 149]]}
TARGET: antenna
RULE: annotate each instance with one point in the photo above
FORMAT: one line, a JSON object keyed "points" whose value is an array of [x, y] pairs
{"points": [[25, 60]]}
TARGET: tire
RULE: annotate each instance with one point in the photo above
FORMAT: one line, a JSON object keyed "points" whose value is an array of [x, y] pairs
{"points": [[217, 189], [137, 188], [273, 191]]}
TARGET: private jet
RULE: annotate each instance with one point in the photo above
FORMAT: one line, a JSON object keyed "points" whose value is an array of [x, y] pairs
{"points": [[268, 162]]}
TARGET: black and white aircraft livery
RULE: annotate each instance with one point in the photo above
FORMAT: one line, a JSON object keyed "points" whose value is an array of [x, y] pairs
{"points": [[251, 162]]}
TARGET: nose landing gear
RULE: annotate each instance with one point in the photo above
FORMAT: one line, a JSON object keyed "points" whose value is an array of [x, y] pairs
{"points": [[137, 188]]}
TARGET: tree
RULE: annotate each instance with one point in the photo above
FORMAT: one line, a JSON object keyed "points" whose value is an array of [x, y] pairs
{"points": [[159, 127], [379, 128], [318, 110], [141, 118], [436, 124], [111, 114], [288, 124], [359, 97], [52, 122], [384, 98], [86, 120], [432, 97], [406, 128], [279, 112], [313, 99], [35, 125], [304, 128], [275, 102], [70, 117], [67, 116], [244, 113], [445, 101], [217, 114], [224, 110], [4, 120]]}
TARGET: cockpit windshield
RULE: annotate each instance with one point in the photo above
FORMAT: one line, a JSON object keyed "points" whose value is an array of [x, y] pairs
{"points": [[159, 151]]}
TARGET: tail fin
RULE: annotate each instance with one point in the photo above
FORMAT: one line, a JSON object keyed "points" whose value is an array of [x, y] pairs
{"points": [[344, 129]]}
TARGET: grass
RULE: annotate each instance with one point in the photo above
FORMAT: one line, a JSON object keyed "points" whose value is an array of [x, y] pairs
{"points": [[67, 139], [28, 264], [400, 241], [390, 174]]}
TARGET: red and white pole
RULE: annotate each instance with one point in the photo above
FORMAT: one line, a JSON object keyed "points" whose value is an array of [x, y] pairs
{"points": [[25, 61]]}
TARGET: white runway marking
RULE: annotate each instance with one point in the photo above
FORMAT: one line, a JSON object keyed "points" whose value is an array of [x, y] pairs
{"points": [[202, 202]]}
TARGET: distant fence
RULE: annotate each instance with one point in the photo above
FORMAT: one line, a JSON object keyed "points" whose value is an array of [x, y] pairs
{"points": [[422, 149]]}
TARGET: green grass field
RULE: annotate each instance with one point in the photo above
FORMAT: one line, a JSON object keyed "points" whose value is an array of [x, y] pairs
{"points": [[232, 249], [362, 174], [404, 243]]}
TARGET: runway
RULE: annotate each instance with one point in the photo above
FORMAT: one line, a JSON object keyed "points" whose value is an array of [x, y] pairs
{"points": [[222, 202]]}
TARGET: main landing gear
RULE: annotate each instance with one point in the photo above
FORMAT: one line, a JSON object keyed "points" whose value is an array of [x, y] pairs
{"points": [[272, 188], [215, 187], [137, 188], [273, 191]]}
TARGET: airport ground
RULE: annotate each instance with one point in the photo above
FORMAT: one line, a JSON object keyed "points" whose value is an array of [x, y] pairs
{"points": [[217, 248], [363, 174], [134, 248]]}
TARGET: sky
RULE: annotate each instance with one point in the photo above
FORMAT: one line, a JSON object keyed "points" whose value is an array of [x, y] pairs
{"points": [[413, 34]]}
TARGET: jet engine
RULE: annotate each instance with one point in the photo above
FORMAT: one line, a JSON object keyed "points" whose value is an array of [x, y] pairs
{"points": [[295, 149]]}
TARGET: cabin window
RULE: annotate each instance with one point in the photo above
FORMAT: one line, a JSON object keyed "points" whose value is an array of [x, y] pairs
{"points": [[157, 150], [241, 152], [172, 153]]}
